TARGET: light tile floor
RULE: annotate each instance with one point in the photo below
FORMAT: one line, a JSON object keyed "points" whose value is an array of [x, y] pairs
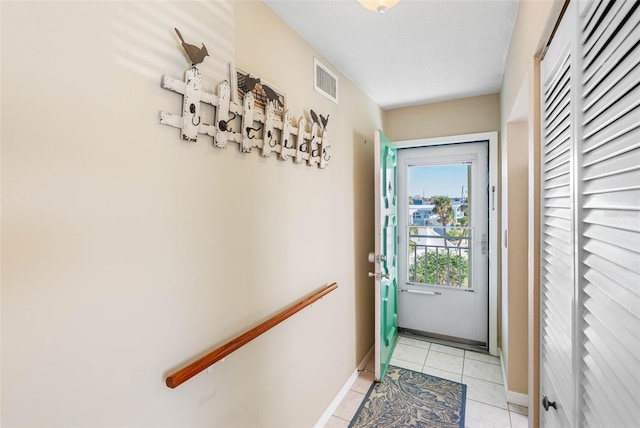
{"points": [[486, 404]]}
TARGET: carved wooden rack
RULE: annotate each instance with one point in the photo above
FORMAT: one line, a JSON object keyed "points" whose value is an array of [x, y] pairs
{"points": [[211, 358], [277, 135]]}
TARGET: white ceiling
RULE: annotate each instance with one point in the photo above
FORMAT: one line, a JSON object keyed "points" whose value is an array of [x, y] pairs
{"points": [[418, 52]]}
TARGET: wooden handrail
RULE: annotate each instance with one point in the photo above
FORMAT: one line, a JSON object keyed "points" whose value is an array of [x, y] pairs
{"points": [[196, 367]]}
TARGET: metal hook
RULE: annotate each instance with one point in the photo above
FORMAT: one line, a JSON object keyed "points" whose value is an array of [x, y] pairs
{"points": [[249, 129], [325, 155], [224, 125], [192, 109], [270, 135]]}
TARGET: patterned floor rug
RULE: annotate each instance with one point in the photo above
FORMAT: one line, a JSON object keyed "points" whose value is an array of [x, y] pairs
{"points": [[411, 399]]}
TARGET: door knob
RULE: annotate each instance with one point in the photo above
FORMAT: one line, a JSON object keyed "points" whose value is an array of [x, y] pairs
{"points": [[378, 276], [546, 404]]}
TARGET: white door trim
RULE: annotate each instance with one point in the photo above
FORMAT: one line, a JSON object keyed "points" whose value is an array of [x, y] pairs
{"points": [[494, 191]]}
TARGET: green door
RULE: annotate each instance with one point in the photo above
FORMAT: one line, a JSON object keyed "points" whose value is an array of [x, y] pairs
{"points": [[385, 256]]}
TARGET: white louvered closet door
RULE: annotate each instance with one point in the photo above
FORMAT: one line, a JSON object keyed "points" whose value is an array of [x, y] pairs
{"points": [[590, 202], [557, 226], [609, 147]]}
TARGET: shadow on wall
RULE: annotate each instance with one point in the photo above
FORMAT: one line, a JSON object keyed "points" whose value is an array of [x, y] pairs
{"points": [[141, 46], [364, 241]]}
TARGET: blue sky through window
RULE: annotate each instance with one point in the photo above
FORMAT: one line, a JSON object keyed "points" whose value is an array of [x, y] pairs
{"points": [[446, 180]]}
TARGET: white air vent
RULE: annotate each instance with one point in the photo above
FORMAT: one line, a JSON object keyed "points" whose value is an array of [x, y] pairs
{"points": [[324, 81]]}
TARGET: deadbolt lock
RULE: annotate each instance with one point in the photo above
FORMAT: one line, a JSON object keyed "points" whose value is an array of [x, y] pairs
{"points": [[376, 259]]}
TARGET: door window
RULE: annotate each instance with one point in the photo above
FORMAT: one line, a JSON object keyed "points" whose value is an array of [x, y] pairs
{"points": [[438, 234]]}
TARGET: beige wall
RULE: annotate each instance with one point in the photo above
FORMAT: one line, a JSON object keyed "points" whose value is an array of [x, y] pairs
{"points": [[126, 252], [534, 23], [455, 117], [514, 280]]}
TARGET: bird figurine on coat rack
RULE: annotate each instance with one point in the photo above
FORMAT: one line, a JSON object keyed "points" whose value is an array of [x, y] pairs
{"points": [[324, 120], [314, 117], [196, 55], [321, 121]]}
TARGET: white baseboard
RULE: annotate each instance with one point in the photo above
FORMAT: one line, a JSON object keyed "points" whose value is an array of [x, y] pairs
{"points": [[512, 396], [343, 392], [517, 398]]}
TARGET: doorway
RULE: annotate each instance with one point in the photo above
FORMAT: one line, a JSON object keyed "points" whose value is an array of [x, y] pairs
{"points": [[386, 267], [443, 242], [490, 140]]}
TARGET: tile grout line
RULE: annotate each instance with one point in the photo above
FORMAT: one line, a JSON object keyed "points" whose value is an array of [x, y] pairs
{"points": [[424, 363], [484, 380], [487, 404], [486, 362], [464, 360]]}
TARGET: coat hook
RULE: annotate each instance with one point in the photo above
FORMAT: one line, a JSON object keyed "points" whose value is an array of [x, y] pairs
{"points": [[192, 109], [224, 125], [270, 135], [249, 129]]}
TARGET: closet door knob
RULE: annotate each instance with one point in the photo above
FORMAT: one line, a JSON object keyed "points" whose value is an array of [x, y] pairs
{"points": [[546, 404]]}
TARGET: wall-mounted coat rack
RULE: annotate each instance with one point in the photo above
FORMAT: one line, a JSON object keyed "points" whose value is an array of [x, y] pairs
{"points": [[260, 128]]}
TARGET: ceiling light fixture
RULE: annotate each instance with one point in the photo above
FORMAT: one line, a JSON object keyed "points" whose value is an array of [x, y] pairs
{"points": [[379, 6]]}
